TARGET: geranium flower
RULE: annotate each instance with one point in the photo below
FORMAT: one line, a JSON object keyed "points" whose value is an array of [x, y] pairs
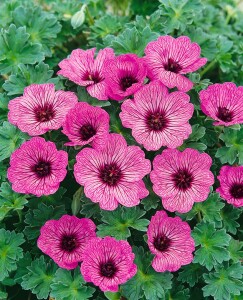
{"points": [[86, 124], [168, 59], [223, 103], [108, 263], [124, 75], [113, 174], [40, 108], [64, 240], [37, 167], [158, 118], [182, 178], [171, 242], [85, 70], [231, 185]]}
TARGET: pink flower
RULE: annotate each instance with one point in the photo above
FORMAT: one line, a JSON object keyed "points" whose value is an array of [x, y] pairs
{"points": [[231, 185], [223, 103], [182, 178], [168, 59], [64, 240], [40, 108], [37, 167], [108, 263], [113, 174], [86, 124], [171, 242], [158, 118], [84, 70], [124, 75]]}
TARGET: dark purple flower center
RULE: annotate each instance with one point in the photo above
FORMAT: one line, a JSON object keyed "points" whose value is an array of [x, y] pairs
{"points": [[182, 179], [42, 168], [108, 269], [172, 66], [110, 174], [95, 77], [87, 131], [224, 114], [127, 82], [236, 190], [161, 242], [69, 242], [156, 121], [44, 113]]}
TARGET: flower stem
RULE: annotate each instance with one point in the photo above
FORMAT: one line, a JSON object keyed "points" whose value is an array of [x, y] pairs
{"points": [[199, 216], [91, 20], [208, 67]]}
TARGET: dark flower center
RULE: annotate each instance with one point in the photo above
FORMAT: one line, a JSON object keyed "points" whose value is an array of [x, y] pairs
{"points": [[110, 174], [182, 179], [69, 242], [156, 121], [42, 168], [44, 113], [127, 82], [237, 190], [95, 77], [108, 269], [161, 242], [87, 131], [172, 66], [224, 114]]}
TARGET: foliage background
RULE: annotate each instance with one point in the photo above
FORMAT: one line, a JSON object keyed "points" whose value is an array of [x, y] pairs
{"points": [[34, 37]]}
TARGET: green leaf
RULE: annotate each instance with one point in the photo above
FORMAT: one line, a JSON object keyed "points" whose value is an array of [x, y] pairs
{"points": [[42, 26], [236, 250], [113, 296], [212, 243], [26, 75], [209, 209], [117, 222], [22, 265], [76, 202], [10, 139], [229, 216], [83, 96], [147, 282], [89, 208], [10, 252], [70, 286], [15, 48], [9, 200], [4, 100], [198, 132], [191, 274], [224, 282], [131, 40], [36, 218], [39, 277]]}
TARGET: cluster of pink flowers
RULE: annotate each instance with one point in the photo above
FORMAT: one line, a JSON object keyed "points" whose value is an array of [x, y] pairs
{"points": [[112, 172]]}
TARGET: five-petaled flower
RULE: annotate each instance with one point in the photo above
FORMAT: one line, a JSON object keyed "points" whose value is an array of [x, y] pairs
{"points": [[169, 59], [108, 263], [231, 185], [64, 240], [181, 178], [113, 174], [40, 109], [86, 124], [171, 242], [158, 118], [223, 103], [85, 70], [37, 167]]}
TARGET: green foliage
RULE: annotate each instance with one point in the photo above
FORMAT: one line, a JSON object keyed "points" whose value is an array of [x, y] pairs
{"points": [[212, 243], [117, 222], [198, 132], [67, 286], [10, 139], [83, 96], [35, 218], [15, 48], [146, 283], [39, 277], [229, 216], [225, 282], [235, 250], [10, 252], [190, 274]]}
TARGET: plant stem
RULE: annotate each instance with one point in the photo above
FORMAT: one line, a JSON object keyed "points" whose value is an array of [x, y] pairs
{"points": [[208, 67], [91, 20], [199, 215]]}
